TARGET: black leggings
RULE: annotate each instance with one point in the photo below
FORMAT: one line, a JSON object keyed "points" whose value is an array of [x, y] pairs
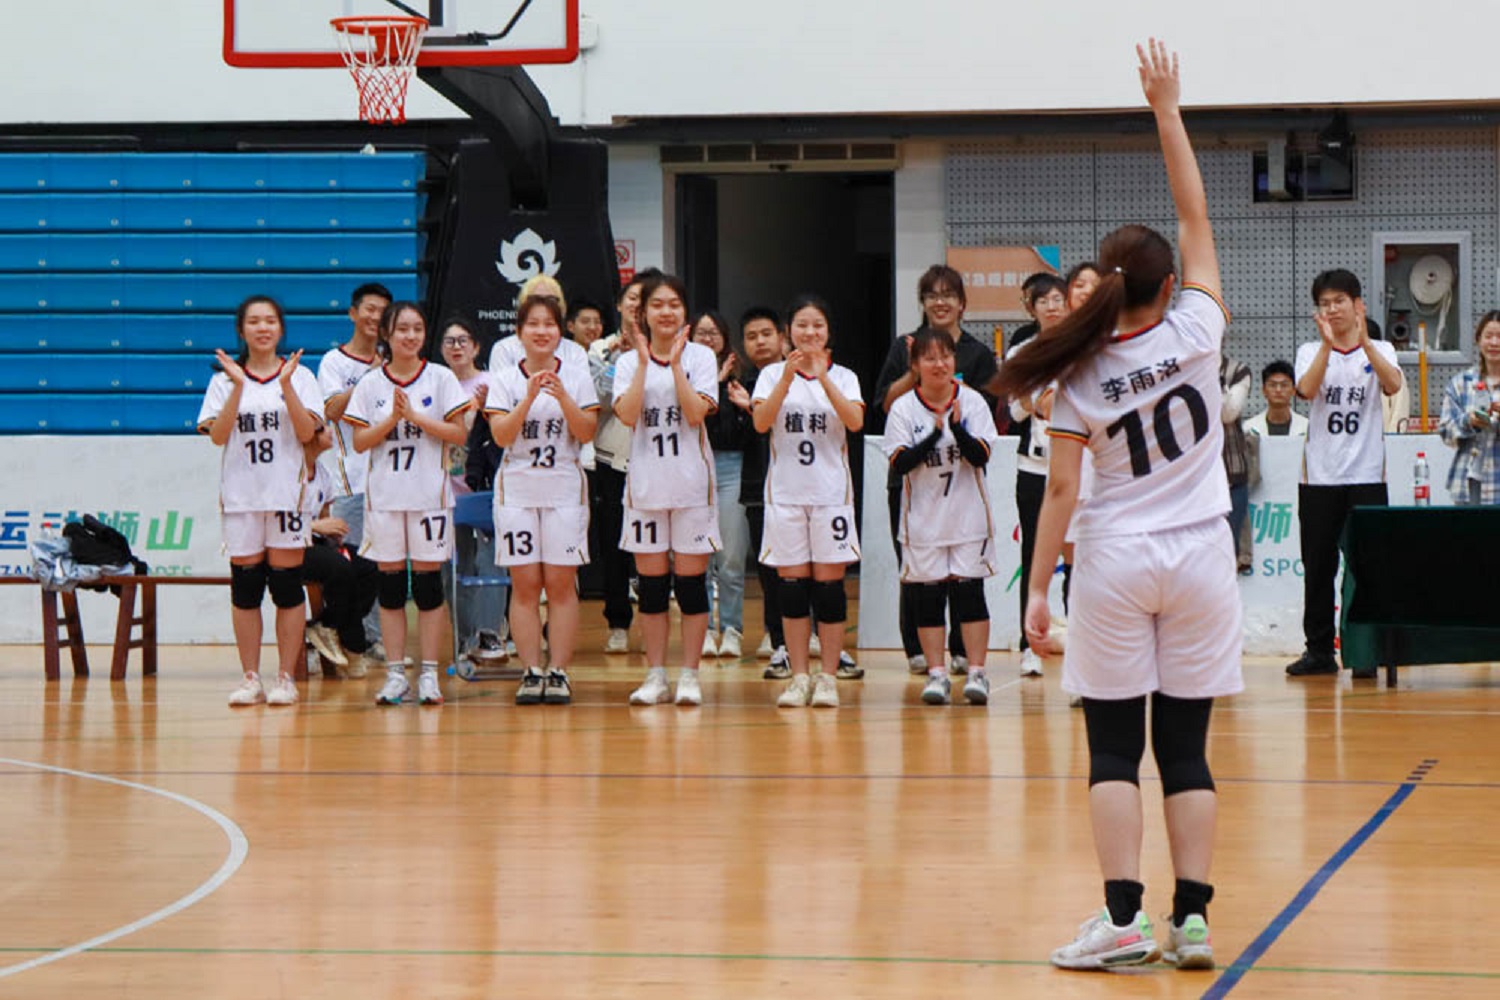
{"points": [[908, 596], [1179, 740], [770, 583], [349, 582]]}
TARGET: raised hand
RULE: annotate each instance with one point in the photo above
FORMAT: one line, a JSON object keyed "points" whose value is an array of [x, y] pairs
{"points": [[1325, 328], [536, 383], [481, 394], [679, 344], [553, 386], [739, 396], [730, 365], [290, 367], [232, 370], [400, 404], [958, 417], [817, 363], [1159, 78], [1359, 320], [642, 344], [794, 363]]}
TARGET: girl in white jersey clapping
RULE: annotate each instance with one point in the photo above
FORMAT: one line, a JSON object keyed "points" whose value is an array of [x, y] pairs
{"points": [[938, 437], [542, 412], [809, 405], [662, 391], [261, 409], [406, 413], [1156, 609]]}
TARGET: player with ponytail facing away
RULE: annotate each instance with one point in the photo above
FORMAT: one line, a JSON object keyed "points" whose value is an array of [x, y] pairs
{"points": [[261, 409], [1156, 611], [405, 413]]}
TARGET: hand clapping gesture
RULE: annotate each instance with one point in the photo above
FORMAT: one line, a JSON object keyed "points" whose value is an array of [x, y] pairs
{"points": [[289, 368], [232, 370], [739, 396]]}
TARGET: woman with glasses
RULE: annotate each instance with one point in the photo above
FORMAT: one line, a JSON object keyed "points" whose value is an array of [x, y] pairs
{"points": [[941, 293]]}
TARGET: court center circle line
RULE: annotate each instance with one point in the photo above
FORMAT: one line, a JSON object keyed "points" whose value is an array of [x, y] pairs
{"points": [[239, 848]]}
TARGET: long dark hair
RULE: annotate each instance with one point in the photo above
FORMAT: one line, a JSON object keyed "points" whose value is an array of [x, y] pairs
{"points": [[1133, 262], [1493, 316], [730, 338]]}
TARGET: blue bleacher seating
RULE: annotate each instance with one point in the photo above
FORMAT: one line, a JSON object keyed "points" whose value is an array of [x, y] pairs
{"points": [[120, 272]]}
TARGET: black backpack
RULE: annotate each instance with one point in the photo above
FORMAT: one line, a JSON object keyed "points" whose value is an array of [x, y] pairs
{"points": [[94, 543]]}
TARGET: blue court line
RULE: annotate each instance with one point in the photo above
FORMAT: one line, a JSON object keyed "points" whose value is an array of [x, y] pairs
{"points": [[1252, 954]]}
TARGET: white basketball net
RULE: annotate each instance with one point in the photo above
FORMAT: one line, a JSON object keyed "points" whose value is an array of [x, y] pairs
{"points": [[381, 53]]}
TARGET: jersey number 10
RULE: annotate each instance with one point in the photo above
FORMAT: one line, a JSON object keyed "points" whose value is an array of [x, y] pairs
{"points": [[1161, 423]]}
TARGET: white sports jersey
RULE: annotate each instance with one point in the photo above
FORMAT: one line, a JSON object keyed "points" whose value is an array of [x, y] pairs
{"points": [[1148, 407], [509, 352], [407, 470], [809, 461], [1345, 425], [263, 461], [671, 464], [317, 491], [945, 500], [543, 467], [338, 372]]}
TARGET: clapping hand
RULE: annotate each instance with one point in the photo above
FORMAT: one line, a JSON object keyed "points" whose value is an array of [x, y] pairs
{"points": [[232, 370]]}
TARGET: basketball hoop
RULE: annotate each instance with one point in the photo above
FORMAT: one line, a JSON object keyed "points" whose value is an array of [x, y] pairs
{"points": [[381, 53]]}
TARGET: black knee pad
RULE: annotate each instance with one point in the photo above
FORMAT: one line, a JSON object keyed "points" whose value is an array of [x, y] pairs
{"points": [[427, 589], [1117, 739], [653, 594], [1179, 737], [247, 586], [393, 589], [692, 594], [286, 586], [829, 602], [796, 600], [966, 598], [930, 598]]}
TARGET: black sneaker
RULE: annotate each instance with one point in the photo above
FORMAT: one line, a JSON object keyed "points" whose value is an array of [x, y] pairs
{"points": [[848, 669], [780, 667], [489, 647], [531, 689], [1309, 664], [558, 692]]}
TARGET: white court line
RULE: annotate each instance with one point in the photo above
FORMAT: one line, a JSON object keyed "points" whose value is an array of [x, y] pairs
{"points": [[239, 847]]}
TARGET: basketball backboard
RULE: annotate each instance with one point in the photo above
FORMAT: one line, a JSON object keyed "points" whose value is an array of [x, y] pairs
{"points": [[285, 34]]}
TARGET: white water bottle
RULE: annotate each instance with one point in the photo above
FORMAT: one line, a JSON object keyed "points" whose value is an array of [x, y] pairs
{"points": [[1421, 485]]}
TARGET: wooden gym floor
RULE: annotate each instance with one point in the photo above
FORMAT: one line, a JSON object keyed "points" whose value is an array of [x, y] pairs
{"points": [[158, 844]]}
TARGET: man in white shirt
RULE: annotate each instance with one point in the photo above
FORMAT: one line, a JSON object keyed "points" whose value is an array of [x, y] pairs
{"points": [[1278, 383], [1344, 375]]}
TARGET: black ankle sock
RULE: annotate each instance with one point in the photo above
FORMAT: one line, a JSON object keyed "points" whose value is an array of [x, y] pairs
{"points": [[1189, 898], [1123, 897]]}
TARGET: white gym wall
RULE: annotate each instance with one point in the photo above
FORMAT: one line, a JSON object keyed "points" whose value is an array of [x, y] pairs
{"points": [[85, 61]]}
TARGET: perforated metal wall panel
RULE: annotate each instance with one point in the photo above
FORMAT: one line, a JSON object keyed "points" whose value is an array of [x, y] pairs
{"points": [[1069, 192]]}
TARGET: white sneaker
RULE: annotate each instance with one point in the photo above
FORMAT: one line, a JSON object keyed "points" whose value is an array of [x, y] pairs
{"points": [[977, 688], [825, 692], [958, 666], [376, 651], [428, 690], [1189, 946], [797, 692], [249, 692], [710, 644], [1031, 664], [654, 690], [765, 649], [283, 691], [689, 692], [395, 688], [1102, 945], [937, 690], [729, 644], [917, 664], [326, 642], [814, 645], [618, 641], [359, 666]]}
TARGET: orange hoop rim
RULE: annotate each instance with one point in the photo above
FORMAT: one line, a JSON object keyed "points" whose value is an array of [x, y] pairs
{"points": [[381, 53], [380, 24]]}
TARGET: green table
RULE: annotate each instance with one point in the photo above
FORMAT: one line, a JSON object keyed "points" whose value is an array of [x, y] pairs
{"points": [[1420, 586]]}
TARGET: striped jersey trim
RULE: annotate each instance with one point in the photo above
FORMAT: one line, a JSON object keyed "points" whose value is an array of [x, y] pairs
{"points": [[1059, 432]]}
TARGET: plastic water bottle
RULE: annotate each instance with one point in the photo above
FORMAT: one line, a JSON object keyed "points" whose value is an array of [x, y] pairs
{"points": [[1421, 485]]}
